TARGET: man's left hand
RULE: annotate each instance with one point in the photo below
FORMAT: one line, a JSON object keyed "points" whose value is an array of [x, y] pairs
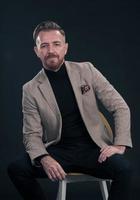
{"points": [[110, 150]]}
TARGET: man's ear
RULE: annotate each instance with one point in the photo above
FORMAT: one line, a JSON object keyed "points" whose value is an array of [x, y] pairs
{"points": [[36, 51], [66, 48]]}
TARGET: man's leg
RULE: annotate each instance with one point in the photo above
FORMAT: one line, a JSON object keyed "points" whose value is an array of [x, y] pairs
{"points": [[23, 175], [119, 170]]}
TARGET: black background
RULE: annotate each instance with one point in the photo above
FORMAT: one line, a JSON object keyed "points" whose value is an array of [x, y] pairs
{"points": [[106, 33]]}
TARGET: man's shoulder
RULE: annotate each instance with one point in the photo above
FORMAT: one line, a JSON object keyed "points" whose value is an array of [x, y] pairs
{"points": [[82, 67], [34, 81], [79, 64]]}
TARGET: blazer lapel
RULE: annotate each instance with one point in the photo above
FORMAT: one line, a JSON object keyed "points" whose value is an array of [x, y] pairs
{"points": [[75, 79], [48, 93]]}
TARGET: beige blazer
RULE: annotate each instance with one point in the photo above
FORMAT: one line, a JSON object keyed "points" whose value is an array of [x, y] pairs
{"points": [[42, 121]]}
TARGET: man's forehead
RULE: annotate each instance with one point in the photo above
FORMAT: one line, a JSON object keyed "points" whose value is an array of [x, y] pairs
{"points": [[52, 35]]}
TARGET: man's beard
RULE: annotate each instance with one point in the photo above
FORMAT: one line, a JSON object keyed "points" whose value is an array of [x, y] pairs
{"points": [[52, 62]]}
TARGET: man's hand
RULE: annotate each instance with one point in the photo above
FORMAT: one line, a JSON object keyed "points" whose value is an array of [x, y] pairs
{"points": [[52, 168], [109, 151]]}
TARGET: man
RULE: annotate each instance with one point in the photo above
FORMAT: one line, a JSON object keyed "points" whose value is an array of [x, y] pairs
{"points": [[62, 129]]}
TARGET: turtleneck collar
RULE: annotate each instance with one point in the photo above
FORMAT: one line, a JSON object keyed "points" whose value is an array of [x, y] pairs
{"points": [[59, 71]]}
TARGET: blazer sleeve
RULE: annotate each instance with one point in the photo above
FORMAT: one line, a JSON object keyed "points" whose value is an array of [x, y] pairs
{"points": [[114, 103], [32, 128]]}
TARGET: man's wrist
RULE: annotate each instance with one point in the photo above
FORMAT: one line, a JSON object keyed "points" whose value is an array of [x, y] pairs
{"points": [[39, 158], [44, 159]]}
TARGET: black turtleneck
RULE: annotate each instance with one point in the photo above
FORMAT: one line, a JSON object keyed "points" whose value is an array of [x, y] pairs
{"points": [[73, 128]]}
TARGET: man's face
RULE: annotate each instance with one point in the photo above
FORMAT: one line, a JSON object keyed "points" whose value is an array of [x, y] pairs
{"points": [[51, 49]]}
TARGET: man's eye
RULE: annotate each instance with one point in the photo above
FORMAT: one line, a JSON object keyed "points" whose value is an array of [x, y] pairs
{"points": [[44, 46], [57, 44]]}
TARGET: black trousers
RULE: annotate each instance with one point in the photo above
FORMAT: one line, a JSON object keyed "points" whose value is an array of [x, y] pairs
{"points": [[23, 174]]}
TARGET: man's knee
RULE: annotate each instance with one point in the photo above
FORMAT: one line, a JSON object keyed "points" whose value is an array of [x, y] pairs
{"points": [[20, 166], [122, 166], [14, 168]]}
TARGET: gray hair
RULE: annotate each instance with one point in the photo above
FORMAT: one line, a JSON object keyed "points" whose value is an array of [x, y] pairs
{"points": [[47, 26]]}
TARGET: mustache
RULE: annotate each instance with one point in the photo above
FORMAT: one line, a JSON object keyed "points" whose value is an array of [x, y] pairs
{"points": [[52, 56]]}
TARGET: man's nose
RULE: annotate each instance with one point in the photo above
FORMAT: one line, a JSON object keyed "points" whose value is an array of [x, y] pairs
{"points": [[50, 49]]}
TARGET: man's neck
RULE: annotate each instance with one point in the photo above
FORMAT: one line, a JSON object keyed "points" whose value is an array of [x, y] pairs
{"points": [[55, 70]]}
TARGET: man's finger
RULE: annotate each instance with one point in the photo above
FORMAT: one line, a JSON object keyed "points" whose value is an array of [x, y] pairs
{"points": [[104, 148], [50, 176], [62, 173], [105, 154]]}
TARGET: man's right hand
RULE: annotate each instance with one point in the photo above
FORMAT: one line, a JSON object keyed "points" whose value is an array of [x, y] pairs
{"points": [[52, 168]]}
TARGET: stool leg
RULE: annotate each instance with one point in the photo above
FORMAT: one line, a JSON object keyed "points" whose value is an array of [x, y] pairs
{"points": [[61, 194], [104, 190]]}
